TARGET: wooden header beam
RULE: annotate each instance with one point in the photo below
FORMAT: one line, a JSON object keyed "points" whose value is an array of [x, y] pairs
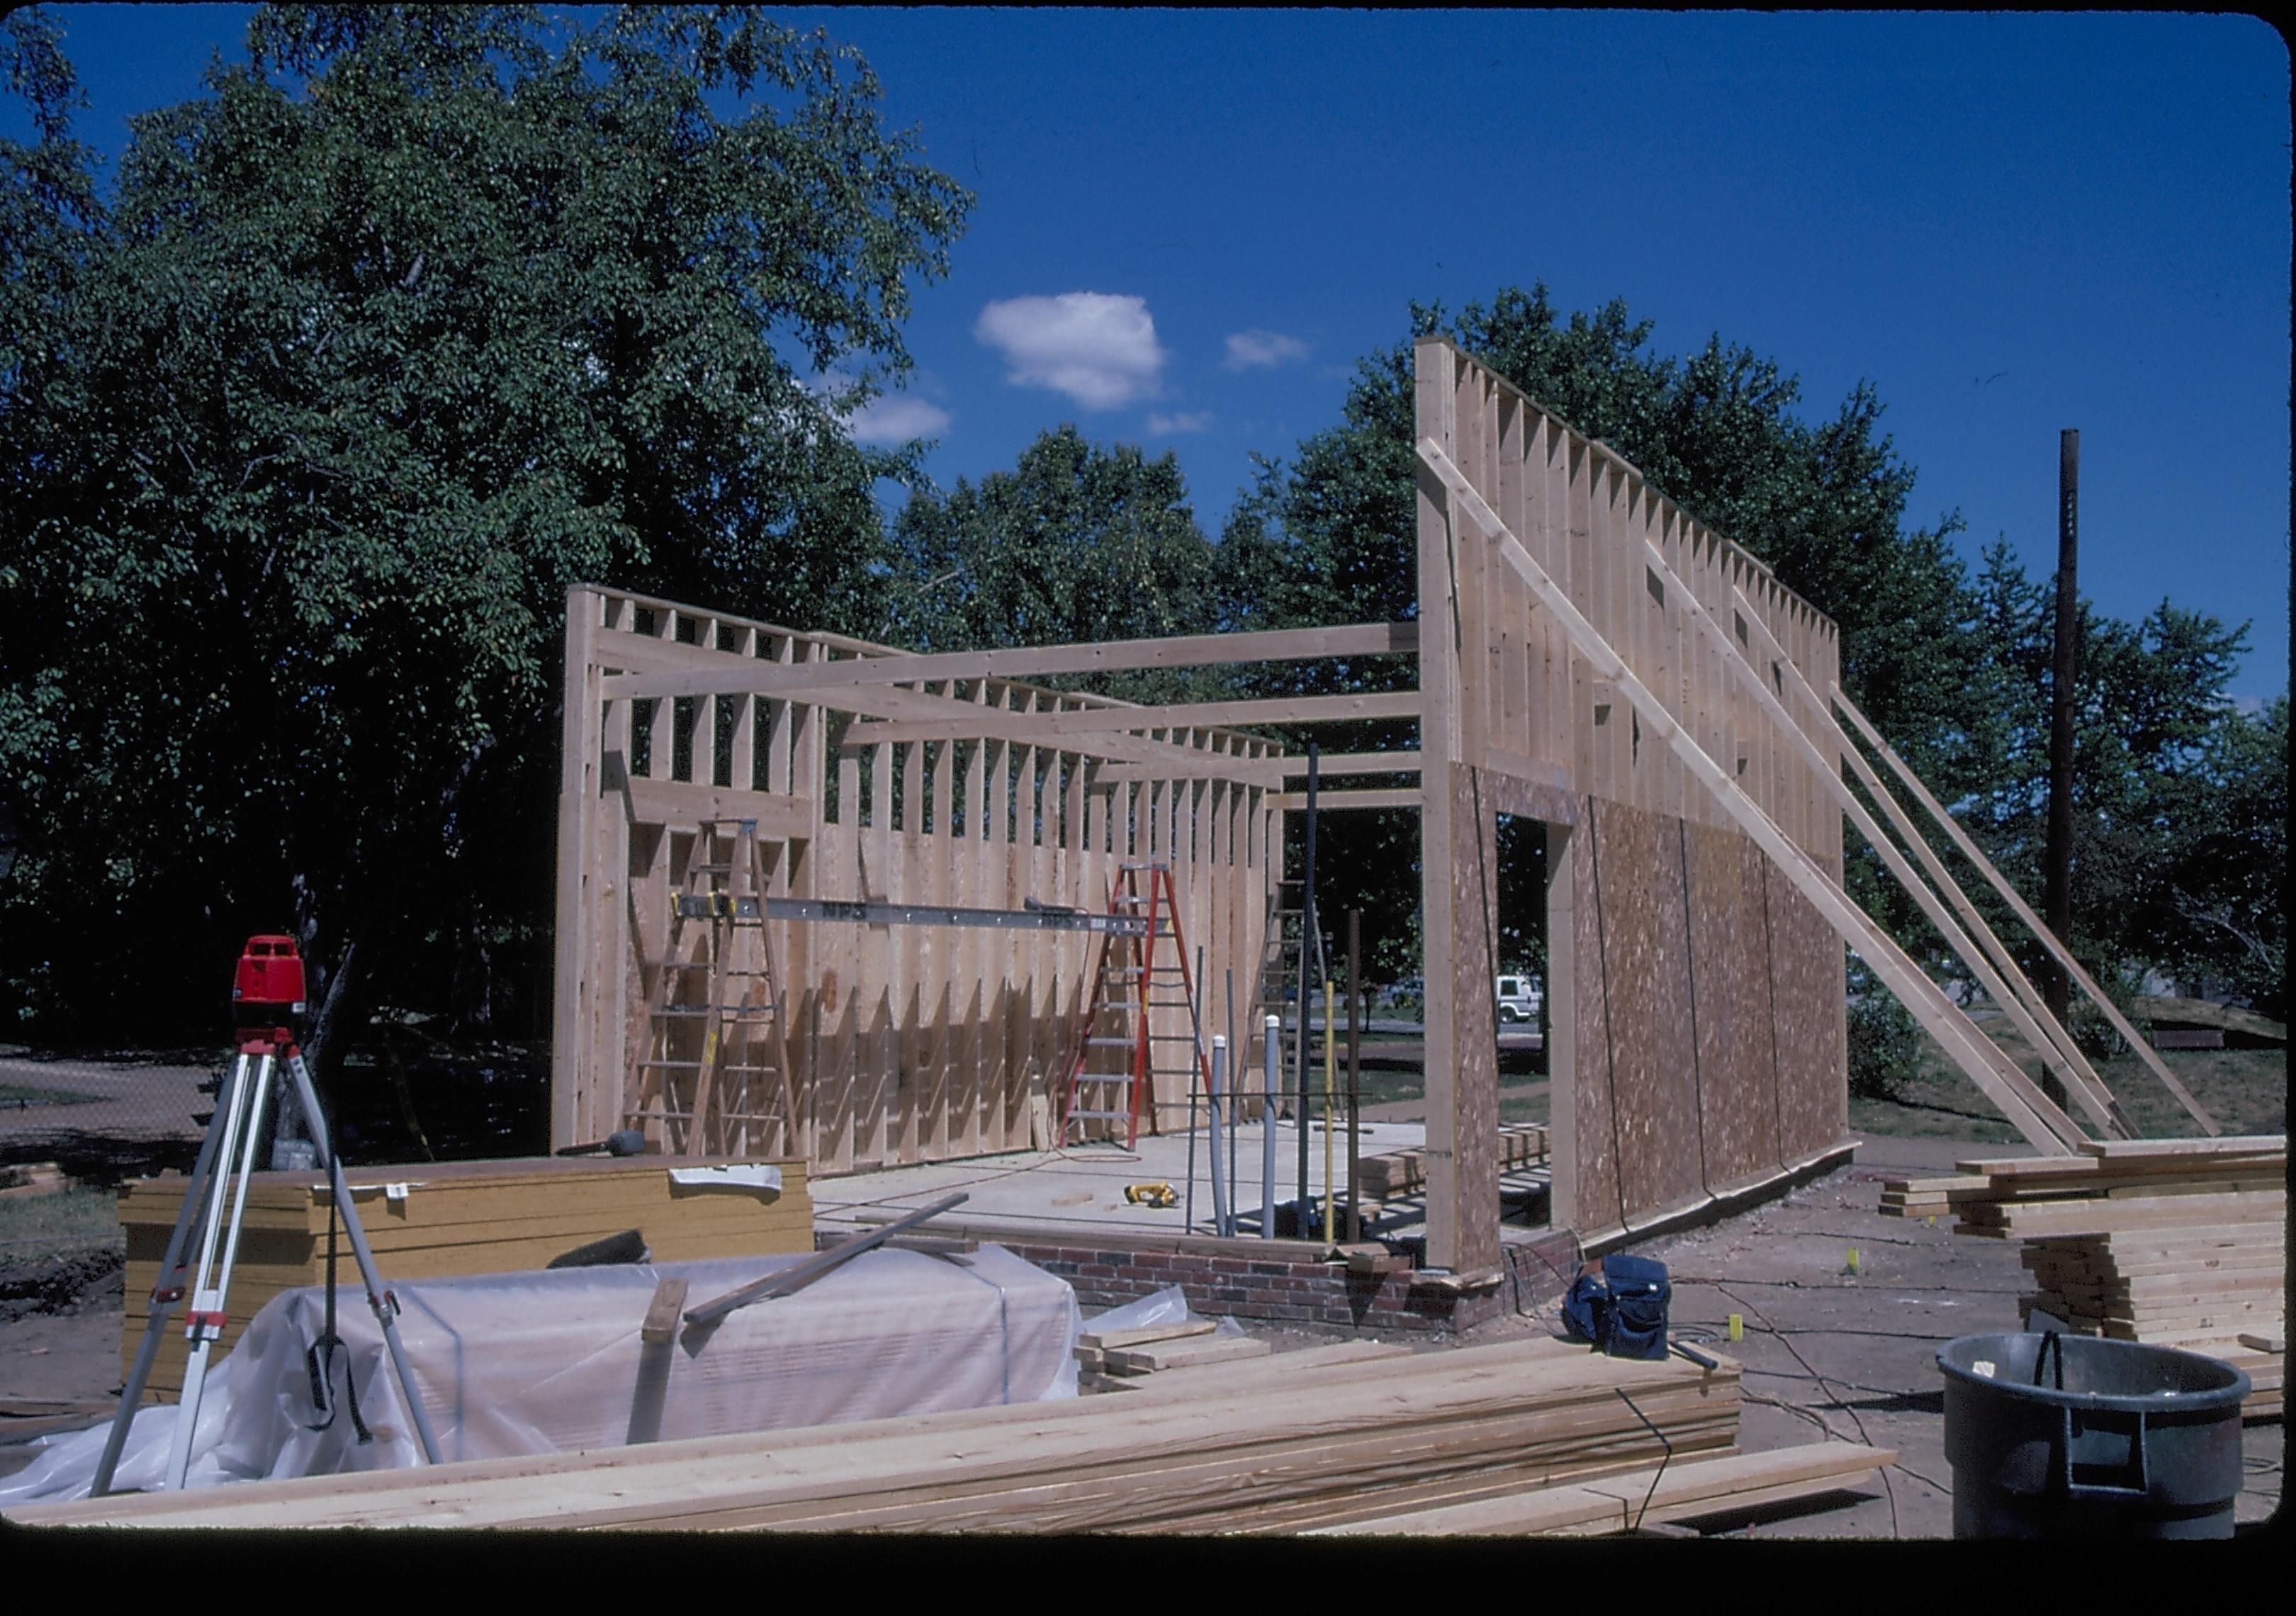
{"points": [[822, 683], [1271, 772], [1191, 715]]}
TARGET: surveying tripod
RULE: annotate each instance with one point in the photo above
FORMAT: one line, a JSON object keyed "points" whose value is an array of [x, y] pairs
{"points": [[268, 990]]}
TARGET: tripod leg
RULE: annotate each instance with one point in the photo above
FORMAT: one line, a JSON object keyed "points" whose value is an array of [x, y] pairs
{"points": [[169, 1288], [205, 1319], [385, 1306]]}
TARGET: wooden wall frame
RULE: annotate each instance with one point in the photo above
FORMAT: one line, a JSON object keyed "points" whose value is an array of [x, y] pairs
{"points": [[1589, 655]]}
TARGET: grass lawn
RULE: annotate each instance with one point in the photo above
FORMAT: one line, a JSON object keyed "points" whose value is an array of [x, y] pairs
{"points": [[2246, 1090], [21, 1094], [78, 1214], [1524, 1108]]}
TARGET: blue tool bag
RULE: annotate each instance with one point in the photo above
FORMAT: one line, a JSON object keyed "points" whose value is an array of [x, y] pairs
{"points": [[1622, 1309]]}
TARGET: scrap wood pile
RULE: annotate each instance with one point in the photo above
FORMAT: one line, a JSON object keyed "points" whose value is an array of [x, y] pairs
{"points": [[2181, 1242], [1400, 1172], [1275, 1445], [1122, 1358]]}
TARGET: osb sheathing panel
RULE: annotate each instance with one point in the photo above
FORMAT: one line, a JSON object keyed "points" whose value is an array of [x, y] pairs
{"points": [[1676, 1101], [1475, 1092], [1678, 928], [1737, 1093], [1599, 1201], [1639, 859], [1805, 964]]}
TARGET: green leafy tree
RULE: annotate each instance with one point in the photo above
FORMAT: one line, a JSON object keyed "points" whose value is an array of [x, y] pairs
{"points": [[2179, 839], [1076, 543], [403, 326]]}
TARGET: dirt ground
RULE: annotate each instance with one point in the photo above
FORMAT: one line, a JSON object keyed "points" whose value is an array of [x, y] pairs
{"points": [[1825, 1349]]}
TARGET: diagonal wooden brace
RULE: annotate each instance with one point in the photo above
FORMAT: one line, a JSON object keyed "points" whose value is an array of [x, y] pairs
{"points": [[2046, 1128]]}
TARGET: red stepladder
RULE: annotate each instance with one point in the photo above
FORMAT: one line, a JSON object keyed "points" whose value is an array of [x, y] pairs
{"points": [[1122, 1046]]}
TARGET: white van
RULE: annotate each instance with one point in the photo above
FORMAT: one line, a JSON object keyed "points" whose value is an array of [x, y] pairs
{"points": [[1519, 997]]}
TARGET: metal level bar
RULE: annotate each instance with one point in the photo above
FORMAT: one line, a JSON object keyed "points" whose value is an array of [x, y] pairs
{"points": [[694, 907]]}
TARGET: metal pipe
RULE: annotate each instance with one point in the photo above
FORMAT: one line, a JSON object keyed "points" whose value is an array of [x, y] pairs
{"points": [[1306, 945], [2065, 675], [1268, 1082], [1220, 1224], [1331, 1081], [1355, 1066], [1234, 1118]]}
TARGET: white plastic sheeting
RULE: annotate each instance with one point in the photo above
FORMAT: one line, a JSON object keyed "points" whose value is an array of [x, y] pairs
{"points": [[551, 1361]]}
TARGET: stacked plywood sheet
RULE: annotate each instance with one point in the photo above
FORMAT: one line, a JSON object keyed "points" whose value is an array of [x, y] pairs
{"points": [[2180, 1243], [1400, 1172], [442, 1219], [1268, 1446]]}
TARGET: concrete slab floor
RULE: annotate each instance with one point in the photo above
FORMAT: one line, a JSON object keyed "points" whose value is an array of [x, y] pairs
{"points": [[1085, 1184]]}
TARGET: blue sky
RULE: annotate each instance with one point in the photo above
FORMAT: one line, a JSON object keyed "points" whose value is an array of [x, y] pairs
{"points": [[1191, 223]]}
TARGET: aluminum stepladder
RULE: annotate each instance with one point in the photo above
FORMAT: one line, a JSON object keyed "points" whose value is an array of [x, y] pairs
{"points": [[265, 1057], [1130, 981]]}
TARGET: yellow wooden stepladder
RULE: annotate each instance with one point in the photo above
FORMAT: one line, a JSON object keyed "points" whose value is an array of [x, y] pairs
{"points": [[714, 1076], [1121, 1044]]}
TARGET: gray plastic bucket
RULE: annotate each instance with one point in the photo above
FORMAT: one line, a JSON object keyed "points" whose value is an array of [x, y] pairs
{"points": [[2073, 1436]]}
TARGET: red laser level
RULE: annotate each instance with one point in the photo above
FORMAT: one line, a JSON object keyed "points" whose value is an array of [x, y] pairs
{"points": [[266, 998], [267, 992]]}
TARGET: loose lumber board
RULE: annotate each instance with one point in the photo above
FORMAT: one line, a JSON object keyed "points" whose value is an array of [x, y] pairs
{"points": [[1352, 1437], [1150, 1356], [1110, 1339], [1704, 1487], [2203, 1012]]}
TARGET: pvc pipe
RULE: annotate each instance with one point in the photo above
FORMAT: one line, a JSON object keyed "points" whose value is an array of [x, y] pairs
{"points": [[1220, 1225], [1268, 1083]]}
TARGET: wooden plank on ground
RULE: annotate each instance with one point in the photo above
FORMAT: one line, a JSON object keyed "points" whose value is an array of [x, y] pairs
{"points": [[1704, 1487], [1153, 1356]]}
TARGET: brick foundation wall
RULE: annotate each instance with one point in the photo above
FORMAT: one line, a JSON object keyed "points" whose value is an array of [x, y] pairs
{"points": [[1285, 1282]]}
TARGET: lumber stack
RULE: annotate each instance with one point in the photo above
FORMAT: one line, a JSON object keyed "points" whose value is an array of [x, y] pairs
{"points": [[1127, 1355], [1265, 1448], [445, 1219], [1400, 1172], [1704, 1489], [2180, 1243]]}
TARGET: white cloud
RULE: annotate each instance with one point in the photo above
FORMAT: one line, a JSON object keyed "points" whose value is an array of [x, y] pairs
{"points": [[897, 419], [1099, 350], [1248, 349], [1187, 421]]}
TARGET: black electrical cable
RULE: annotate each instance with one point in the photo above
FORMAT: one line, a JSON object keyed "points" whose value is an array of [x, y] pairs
{"points": [[1896, 1531], [1662, 1463]]}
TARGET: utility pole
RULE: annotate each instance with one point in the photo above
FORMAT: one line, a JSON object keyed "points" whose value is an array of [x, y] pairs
{"points": [[2064, 672]]}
